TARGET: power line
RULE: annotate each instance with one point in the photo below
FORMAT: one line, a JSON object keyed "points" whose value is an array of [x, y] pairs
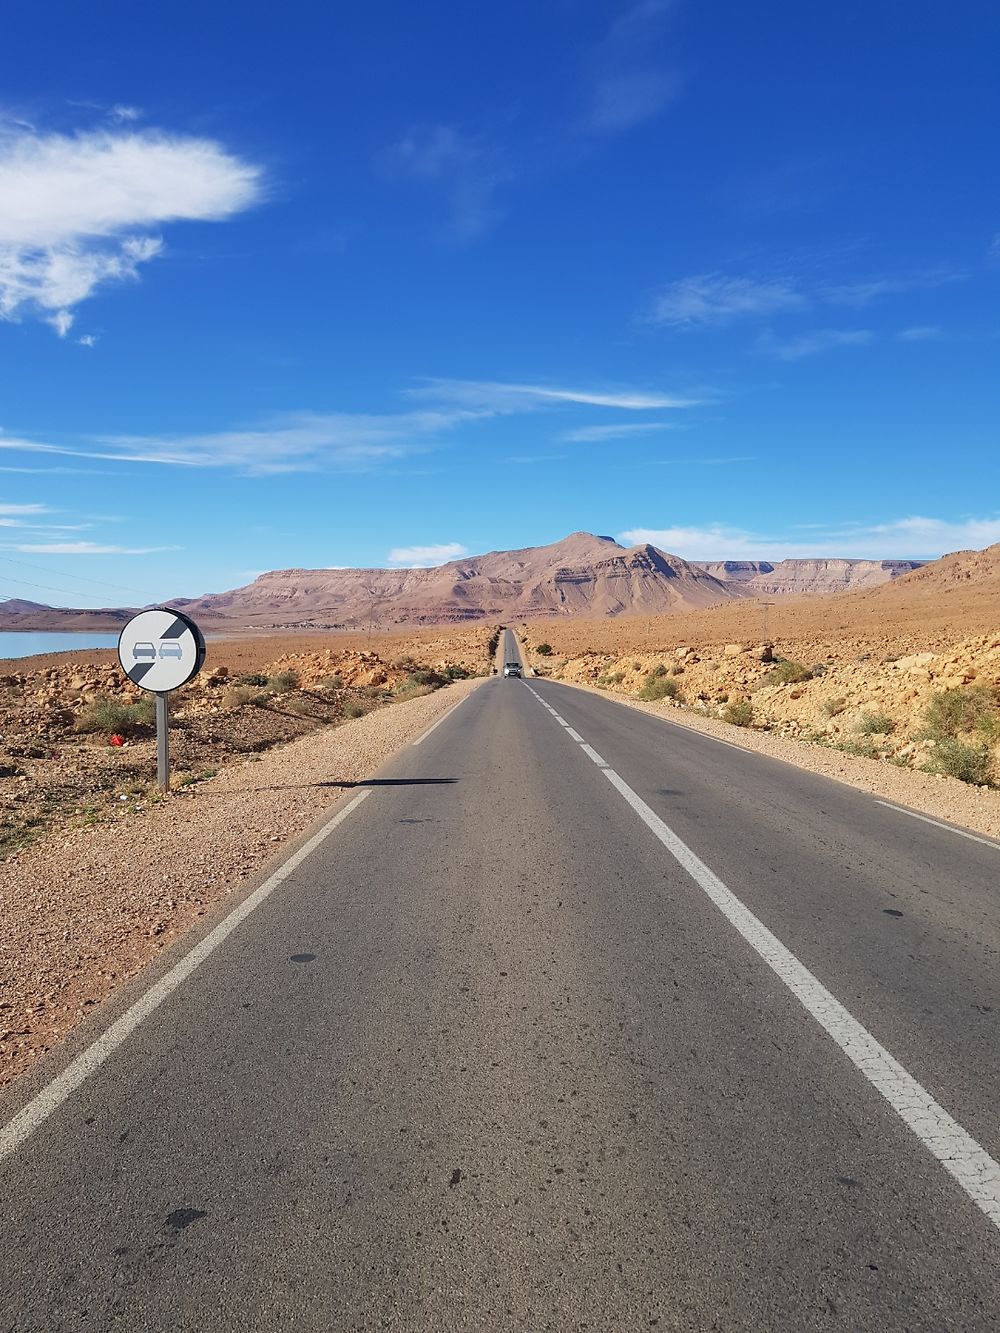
{"points": [[79, 578]]}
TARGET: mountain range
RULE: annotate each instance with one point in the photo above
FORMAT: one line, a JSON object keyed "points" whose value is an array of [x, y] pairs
{"points": [[582, 575]]}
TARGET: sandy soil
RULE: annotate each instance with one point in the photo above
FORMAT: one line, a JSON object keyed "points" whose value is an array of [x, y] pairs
{"points": [[80, 912]]}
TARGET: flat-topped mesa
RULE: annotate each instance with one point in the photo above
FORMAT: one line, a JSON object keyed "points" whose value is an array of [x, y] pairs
{"points": [[808, 575]]}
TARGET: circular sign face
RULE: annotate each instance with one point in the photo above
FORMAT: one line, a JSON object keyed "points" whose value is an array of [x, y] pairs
{"points": [[161, 650]]}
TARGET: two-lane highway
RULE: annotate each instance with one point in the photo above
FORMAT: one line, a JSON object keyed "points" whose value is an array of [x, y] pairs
{"points": [[501, 1053]]}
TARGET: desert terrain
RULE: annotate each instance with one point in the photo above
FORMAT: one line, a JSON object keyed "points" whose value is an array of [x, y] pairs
{"points": [[906, 673]]}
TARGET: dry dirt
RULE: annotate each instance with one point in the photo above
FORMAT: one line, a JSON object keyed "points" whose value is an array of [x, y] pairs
{"points": [[874, 664]]}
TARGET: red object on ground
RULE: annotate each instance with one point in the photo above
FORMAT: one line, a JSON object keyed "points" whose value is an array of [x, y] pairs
{"points": [[116, 740]]}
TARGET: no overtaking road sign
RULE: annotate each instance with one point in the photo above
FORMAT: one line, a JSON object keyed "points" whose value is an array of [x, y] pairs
{"points": [[161, 650]]}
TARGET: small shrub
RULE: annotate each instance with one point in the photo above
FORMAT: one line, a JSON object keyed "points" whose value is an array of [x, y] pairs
{"points": [[414, 691], [659, 670], [110, 717], [283, 681], [299, 706], [659, 686], [616, 677], [739, 712], [636, 666], [786, 673], [335, 682], [834, 707], [377, 693], [238, 695], [677, 671], [866, 748], [958, 759], [819, 669], [455, 672], [354, 709], [544, 650], [251, 678], [875, 724], [963, 709]]}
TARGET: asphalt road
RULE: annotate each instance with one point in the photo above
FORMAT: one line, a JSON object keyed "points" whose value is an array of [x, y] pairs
{"points": [[491, 1057]]}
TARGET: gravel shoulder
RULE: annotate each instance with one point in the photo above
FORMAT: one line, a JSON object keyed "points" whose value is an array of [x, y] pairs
{"points": [[89, 907], [934, 795]]}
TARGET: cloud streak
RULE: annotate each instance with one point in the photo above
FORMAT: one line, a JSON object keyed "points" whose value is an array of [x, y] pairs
{"points": [[354, 442], [426, 557], [715, 298], [811, 344], [85, 548], [629, 82], [500, 397], [911, 538], [461, 167], [619, 430], [707, 300]]}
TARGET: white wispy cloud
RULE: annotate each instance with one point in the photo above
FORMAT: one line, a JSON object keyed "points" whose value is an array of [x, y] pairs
{"points": [[810, 344], [76, 210], [342, 441], [425, 557], [619, 430], [715, 298], [912, 538], [22, 510], [464, 168], [864, 291], [294, 442], [497, 396], [629, 81], [712, 299], [85, 548], [919, 333]]}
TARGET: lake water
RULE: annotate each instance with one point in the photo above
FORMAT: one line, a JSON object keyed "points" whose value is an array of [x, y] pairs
{"points": [[26, 643]]}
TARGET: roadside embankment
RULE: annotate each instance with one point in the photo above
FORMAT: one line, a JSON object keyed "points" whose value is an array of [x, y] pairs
{"points": [[919, 728]]}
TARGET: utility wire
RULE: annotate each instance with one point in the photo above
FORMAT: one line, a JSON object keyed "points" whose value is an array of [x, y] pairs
{"points": [[79, 578]]}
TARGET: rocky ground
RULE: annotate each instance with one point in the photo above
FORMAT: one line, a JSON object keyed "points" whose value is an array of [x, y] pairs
{"points": [[77, 739], [868, 696]]}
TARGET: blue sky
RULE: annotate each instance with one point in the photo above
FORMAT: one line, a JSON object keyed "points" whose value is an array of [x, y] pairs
{"points": [[313, 285]]}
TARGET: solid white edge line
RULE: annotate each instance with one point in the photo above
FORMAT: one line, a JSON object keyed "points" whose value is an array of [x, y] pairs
{"points": [[958, 1152], [88, 1061], [973, 837]]}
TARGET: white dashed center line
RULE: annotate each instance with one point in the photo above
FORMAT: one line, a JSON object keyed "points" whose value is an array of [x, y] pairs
{"points": [[957, 1151]]}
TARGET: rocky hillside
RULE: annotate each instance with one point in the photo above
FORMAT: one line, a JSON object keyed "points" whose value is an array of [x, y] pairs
{"points": [[580, 575], [796, 578]]}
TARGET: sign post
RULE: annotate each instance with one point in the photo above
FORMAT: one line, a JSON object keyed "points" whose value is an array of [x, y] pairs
{"points": [[160, 651]]}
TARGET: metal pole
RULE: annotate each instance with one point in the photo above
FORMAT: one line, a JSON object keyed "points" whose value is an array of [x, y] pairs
{"points": [[162, 743]]}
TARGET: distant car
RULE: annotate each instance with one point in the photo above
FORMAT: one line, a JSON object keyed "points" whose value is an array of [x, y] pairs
{"points": [[144, 650], [171, 650], [512, 668]]}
